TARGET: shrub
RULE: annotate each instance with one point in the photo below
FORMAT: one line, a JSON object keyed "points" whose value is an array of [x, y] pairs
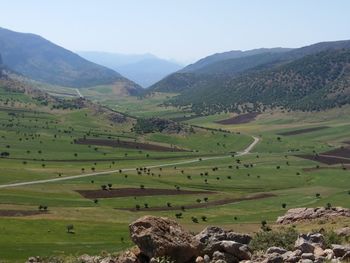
{"points": [[330, 237], [284, 237]]}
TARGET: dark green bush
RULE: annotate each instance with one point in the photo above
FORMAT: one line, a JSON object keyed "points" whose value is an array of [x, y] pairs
{"points": [[284, 237]]}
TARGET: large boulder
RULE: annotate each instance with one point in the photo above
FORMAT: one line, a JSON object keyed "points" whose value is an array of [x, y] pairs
{"points": [[160, 236]]}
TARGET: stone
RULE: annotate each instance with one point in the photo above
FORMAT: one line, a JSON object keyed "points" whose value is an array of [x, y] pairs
{"points": [[199, 259], [160, 236], [340, 250], [319, 252], [273, 258], [206, 259], [277, 250], [320, 259], [346, 256], [129, 256], [34, 260], [345, 232], [308, 242], [238, 237], [217, 255], [107, 260], [329, 254], [292, 256], [209, 239], [306, 261], [89, 259], [240, 251], [308, 256], [305, 247]]}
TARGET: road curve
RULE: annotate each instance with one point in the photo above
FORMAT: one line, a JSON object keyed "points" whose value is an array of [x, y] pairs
{"points": [[244, 152]]}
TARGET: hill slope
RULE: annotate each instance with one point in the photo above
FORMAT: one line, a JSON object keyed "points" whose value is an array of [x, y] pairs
{"points": [[263, 78], [314, 82], [232, 63], [39, 59], [144, 69], [234, 54]]}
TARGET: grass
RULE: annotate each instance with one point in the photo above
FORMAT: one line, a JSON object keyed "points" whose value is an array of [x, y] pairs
{"points": [[48, 136]]}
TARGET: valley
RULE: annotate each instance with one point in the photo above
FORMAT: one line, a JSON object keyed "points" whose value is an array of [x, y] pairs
{"points": [[227, 173], [234, 140]]}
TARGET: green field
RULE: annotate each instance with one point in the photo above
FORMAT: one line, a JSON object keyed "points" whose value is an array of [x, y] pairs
{"points": [[40, 144]]}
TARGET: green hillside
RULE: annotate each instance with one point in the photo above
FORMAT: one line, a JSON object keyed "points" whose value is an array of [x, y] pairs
{"points": [[309, 78], [314, 82]]}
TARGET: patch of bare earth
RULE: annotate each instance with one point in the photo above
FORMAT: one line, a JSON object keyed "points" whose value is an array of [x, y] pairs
{"points": [[301, 131], [129, 145], [127, 192], [20, 213], [337, 156], [311, 169], [240, 119]]}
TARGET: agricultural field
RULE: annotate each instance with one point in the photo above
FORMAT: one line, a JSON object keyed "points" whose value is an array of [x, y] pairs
{"points": [[71, 181]]}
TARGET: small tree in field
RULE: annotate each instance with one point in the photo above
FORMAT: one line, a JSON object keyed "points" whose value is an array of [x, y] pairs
{"points": [[70, 229]]}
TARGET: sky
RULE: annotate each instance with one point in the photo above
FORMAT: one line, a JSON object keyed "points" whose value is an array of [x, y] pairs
{"points": [[182, 30]]}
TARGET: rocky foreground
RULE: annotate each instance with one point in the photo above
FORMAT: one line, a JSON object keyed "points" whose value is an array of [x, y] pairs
{"points": [[162, 240]]}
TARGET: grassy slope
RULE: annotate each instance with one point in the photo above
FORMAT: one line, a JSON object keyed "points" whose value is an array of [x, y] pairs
{"points": [[101, 226]]}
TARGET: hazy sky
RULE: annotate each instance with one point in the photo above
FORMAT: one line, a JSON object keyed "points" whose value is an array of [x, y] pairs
{"points": [[184, 30]]}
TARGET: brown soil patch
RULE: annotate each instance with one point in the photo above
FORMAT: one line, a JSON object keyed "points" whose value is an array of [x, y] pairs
{"points": [[301, 131], [128, 144], [337, 156], [14, 213], [127, 192], [311, 169], [203, 205], [240, 119]]}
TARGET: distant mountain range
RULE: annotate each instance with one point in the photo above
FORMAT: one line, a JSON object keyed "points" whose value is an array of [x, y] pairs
{"points": [[309, 78], [39, 59], [144, 69]]}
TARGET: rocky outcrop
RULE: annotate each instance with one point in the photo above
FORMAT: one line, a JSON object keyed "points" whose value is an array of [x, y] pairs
{"points": [[303, 214]]}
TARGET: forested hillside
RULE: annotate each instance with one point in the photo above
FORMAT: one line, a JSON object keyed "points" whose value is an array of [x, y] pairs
{"points": [[314, 82]]}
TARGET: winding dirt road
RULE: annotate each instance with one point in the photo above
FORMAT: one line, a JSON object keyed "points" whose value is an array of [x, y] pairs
{"points": [[244, 152]]}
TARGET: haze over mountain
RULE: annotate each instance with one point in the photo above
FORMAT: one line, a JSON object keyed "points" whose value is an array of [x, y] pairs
{"points": [[308, 78], [41, 60], [144, 69]]}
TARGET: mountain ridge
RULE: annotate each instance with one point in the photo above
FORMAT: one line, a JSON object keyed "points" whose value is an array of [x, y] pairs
{"points": [[226, 85], [40, 59]]}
